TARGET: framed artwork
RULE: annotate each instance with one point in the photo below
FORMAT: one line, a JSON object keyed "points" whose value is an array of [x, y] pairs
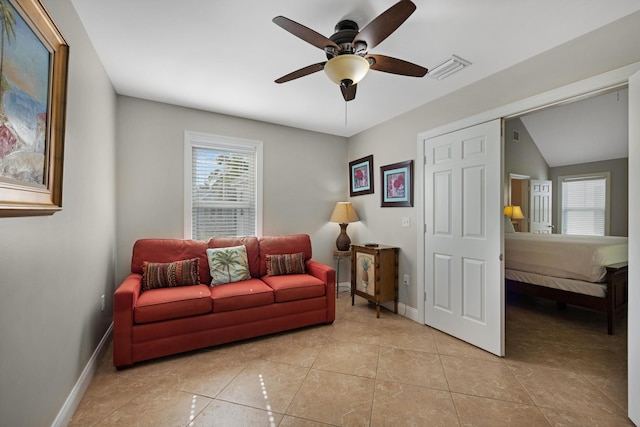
{"points": [[33, 91], [397, 184], [360, 177], [365, 272]]}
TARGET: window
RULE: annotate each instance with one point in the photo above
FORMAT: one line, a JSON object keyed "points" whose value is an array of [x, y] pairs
{"points": [[223, 186], [585, 204]]}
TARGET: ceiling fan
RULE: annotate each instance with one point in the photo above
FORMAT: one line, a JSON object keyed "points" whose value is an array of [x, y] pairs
{"points": [[347, 50]]}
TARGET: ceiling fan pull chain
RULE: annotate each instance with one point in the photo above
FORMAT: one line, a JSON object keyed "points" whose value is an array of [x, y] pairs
{"points": [[345, 113]]}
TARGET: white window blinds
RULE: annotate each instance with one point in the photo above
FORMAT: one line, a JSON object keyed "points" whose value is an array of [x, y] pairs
{"points": [[224, 199], [584, 205]]}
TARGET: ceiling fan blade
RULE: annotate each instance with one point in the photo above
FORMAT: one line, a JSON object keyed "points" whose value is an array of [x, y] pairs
{"points": [[304, 33], [391, 65], [348, 93], [385, 24], [309, 69]]}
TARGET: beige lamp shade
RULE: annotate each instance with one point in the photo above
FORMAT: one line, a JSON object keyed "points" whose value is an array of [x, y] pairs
{"points": [[513, 212], [343, 214]]}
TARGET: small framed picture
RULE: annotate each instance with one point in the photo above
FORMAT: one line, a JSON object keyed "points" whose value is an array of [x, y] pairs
{"points": [[360, 177], [397, 182]]}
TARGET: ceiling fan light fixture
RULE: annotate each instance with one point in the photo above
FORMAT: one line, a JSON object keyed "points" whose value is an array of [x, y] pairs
{"points": [[346, 67]]}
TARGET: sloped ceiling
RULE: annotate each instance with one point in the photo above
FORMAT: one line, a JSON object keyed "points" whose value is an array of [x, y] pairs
{"points": [[589, 130]]}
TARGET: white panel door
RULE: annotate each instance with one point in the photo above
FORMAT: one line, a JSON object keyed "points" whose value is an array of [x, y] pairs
{"points": [[540, 207], [464, 292]]}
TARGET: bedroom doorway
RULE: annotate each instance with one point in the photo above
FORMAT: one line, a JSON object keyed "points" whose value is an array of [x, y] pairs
{"points": [[585, 325]]}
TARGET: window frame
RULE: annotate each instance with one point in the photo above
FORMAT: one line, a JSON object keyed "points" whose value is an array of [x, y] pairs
{"points": [[193, 139], [586, 176]]}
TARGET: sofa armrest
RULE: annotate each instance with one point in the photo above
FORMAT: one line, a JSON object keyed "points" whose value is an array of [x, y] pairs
{"points": [[124, 300], [328, 276]]}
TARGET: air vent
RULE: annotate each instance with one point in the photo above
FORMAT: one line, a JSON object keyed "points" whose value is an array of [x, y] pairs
{"points": [[448, 67]]}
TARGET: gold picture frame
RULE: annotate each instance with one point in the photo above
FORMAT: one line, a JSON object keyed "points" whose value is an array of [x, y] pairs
{"points": [[33, 98]]}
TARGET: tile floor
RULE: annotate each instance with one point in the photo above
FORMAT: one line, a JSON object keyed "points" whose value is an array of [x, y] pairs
{"points": [[561, 369]]}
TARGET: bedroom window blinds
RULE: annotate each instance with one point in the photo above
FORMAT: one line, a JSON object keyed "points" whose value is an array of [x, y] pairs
{"points": [[584, 205], [222, 186]]}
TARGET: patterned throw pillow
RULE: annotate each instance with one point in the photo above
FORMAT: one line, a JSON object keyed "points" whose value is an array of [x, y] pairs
{"points": [[278, 265], [170, 274], [228, 265]]}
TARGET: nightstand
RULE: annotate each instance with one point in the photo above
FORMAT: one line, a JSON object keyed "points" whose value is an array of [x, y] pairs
{"points": [[374, 274]]}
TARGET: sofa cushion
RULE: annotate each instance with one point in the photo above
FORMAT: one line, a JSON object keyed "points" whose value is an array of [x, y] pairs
{"points": [[278, 245], [249, 242], [295, 287], [277, 265], [170, 274], [169, 250], [238, 295], [228, 265], [171, 303]]}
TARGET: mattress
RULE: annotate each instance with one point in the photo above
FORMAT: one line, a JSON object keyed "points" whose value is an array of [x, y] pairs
{"points": [[566, 257], [578, 286]]}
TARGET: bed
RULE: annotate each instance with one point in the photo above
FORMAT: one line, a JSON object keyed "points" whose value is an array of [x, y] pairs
{"points": [[586, 271]]}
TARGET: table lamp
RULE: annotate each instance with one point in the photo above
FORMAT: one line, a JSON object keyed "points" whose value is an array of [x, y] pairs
{"points": [[343, 214], [513, 212]]}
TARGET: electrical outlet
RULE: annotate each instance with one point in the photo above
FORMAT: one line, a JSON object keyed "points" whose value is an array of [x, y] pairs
{"points": [[406, 221], [406, 280], [102, 303]]}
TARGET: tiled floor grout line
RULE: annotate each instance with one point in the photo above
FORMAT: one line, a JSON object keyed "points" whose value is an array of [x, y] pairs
{"points": [[391, 338]]}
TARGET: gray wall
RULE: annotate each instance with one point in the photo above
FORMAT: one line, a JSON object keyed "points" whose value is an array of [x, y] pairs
{"points": [[619, 169], [305, 174], [522, 157], [55, 268]]}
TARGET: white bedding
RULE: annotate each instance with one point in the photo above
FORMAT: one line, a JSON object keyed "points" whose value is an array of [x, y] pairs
{"points": [[569, 257], [578, 286]]}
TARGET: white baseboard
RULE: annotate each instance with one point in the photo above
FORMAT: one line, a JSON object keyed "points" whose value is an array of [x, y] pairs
{"points": [[404, 310], [74, 398]]}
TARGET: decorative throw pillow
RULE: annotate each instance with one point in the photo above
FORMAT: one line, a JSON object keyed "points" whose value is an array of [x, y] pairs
{"points": [[278, 265], [228, 265], [170, 274]]}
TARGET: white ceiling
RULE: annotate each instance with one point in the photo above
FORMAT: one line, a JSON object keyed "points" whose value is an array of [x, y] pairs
{"points": [[589, 130], [223, 56]]}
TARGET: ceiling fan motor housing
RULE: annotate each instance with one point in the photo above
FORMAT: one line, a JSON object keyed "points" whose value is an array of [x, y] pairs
{"points": [[345, 32]]}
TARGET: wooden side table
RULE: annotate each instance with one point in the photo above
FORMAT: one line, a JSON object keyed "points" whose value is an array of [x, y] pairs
{"points": [[374, 274], [337, 257]]}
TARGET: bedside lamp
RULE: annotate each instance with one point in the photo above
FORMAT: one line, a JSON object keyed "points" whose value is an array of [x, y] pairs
{"points": [[513, 212], [343, 214]]}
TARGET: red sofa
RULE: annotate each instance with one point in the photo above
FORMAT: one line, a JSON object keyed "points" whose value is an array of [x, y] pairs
{"points": [[160, 322]]}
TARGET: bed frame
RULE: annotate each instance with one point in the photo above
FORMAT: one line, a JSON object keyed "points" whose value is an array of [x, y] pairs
{"points": [[614, 303]]}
